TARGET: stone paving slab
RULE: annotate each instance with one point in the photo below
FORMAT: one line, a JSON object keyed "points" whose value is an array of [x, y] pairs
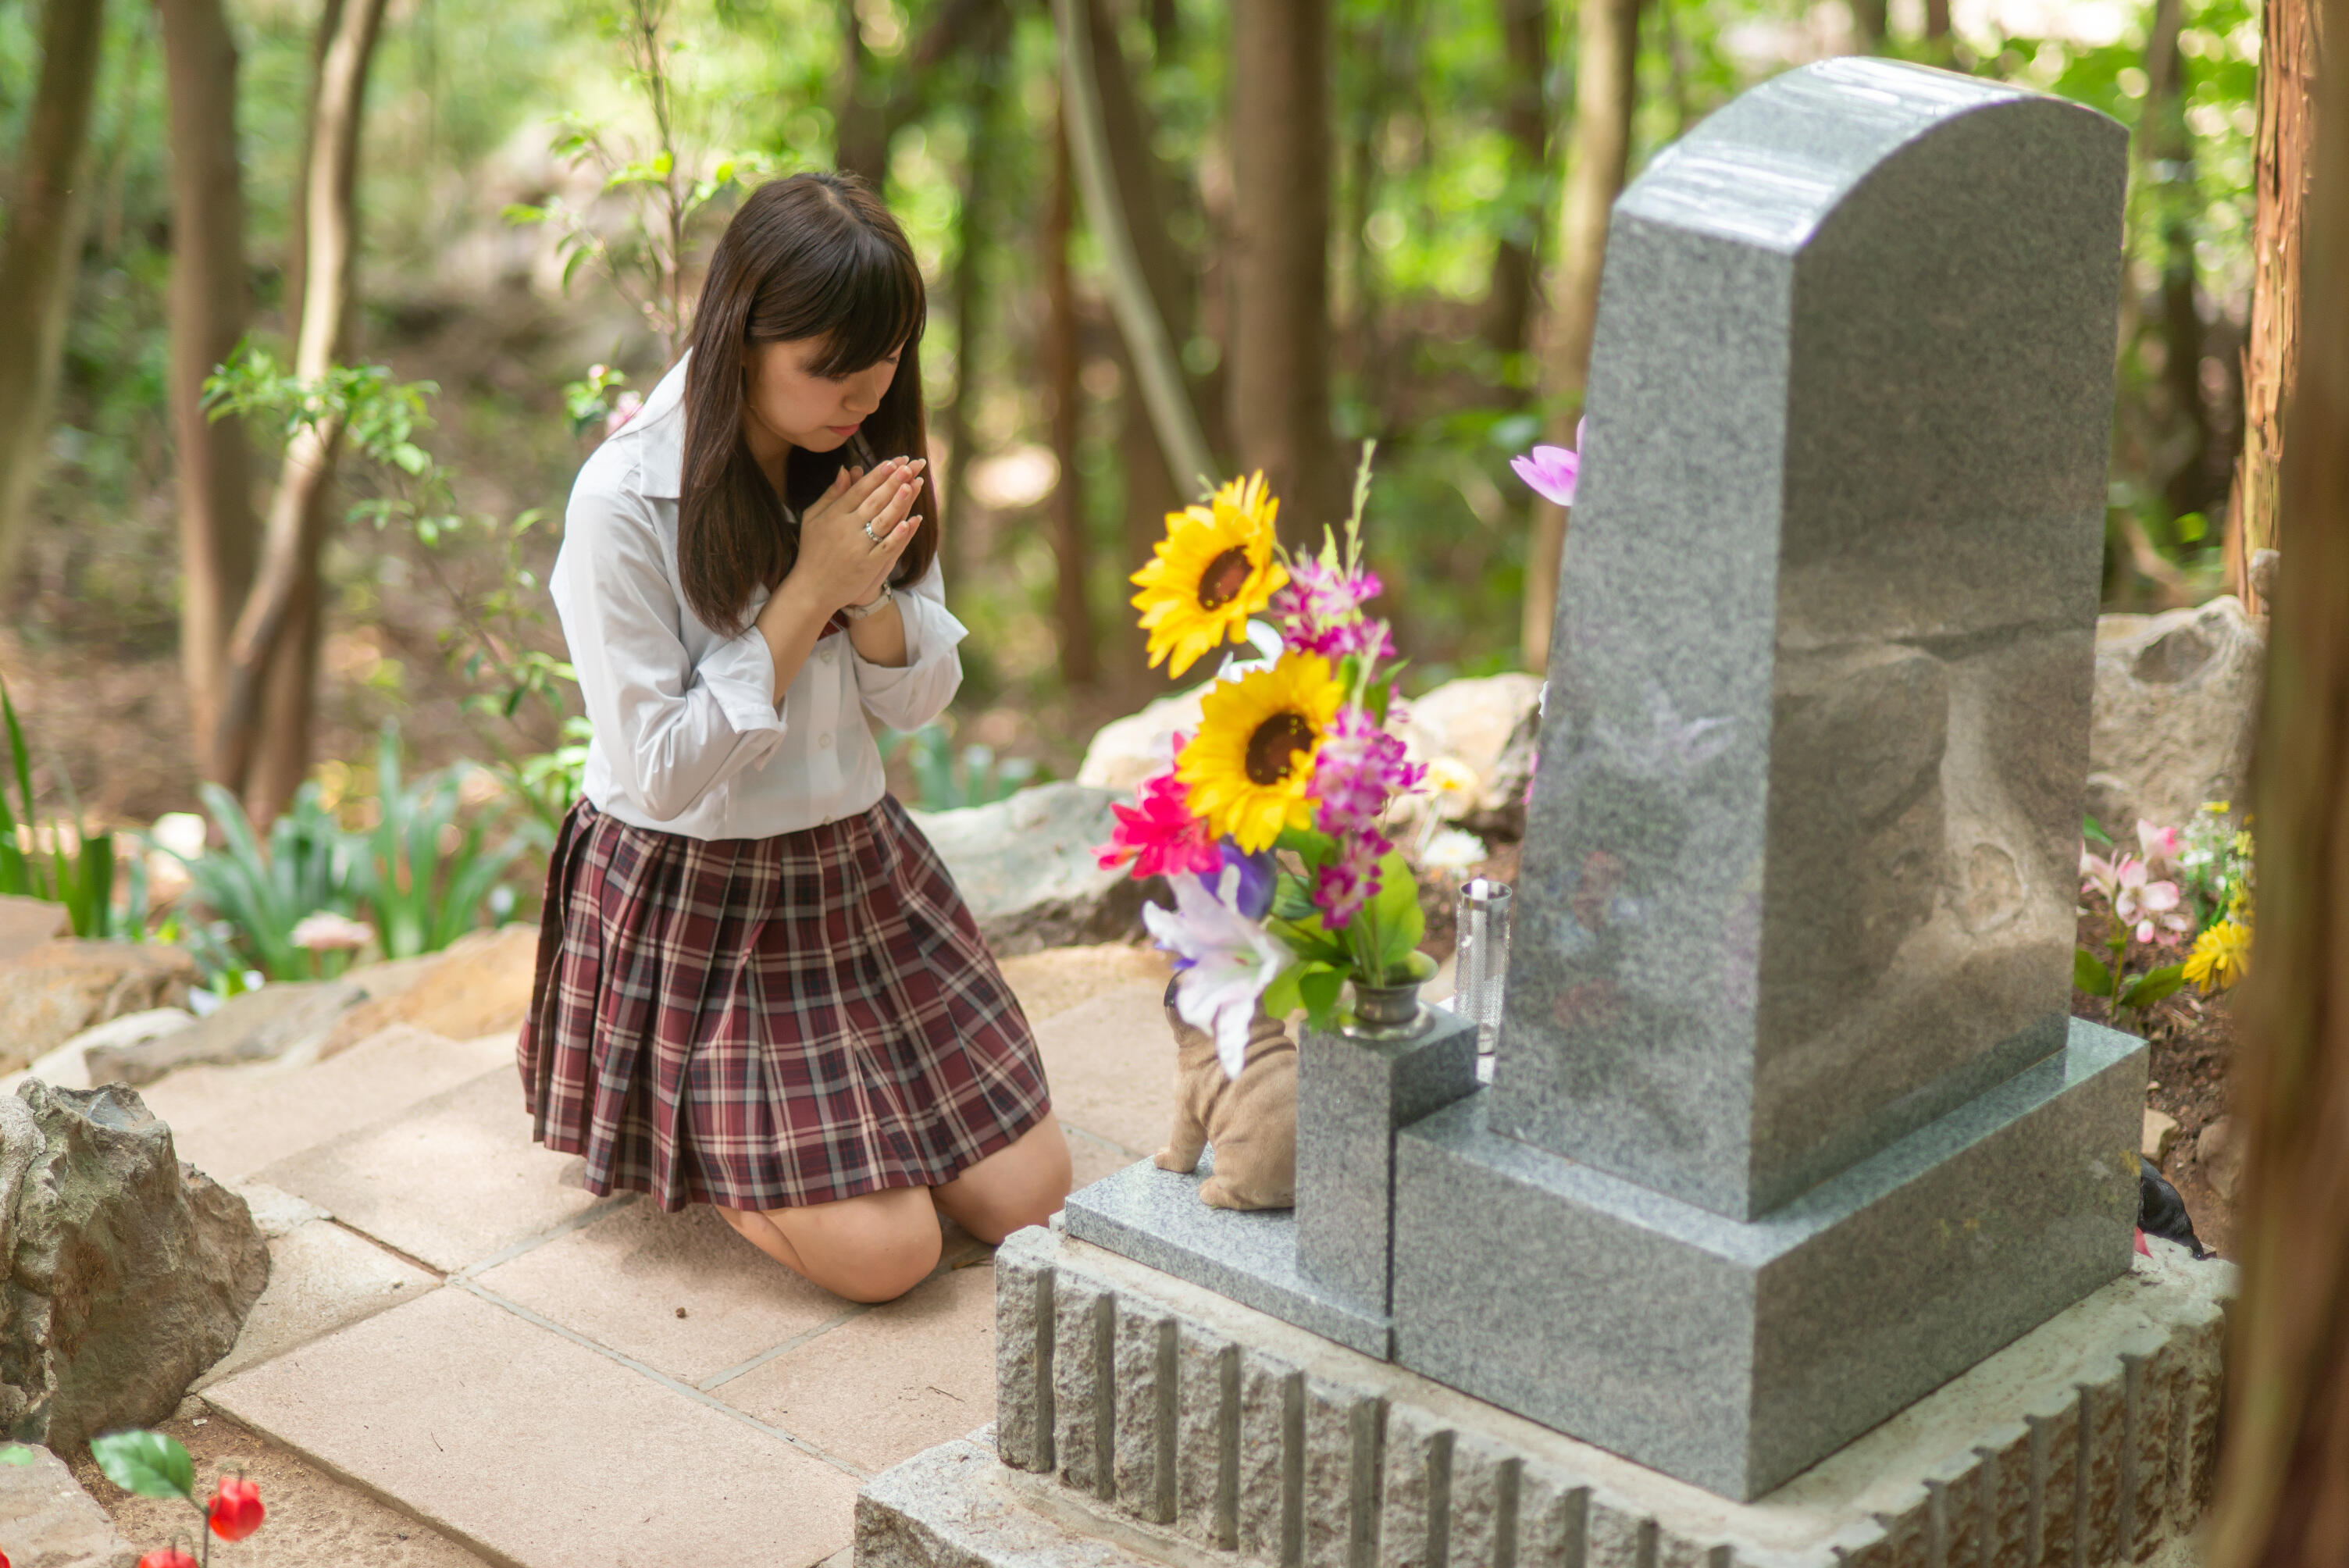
{"points": [[1058, 978], [321, 1277], [48, 1521], [537, 1450], [681, 1293], [1110, 1063], [449, 1180], [229, 1122], [890, 1382]]}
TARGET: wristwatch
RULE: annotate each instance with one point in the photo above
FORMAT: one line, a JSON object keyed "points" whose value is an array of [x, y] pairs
{"points": [[858, 611]]}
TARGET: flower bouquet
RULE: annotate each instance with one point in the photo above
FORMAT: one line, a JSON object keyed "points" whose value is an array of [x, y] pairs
{"points": [[1266, 825]]}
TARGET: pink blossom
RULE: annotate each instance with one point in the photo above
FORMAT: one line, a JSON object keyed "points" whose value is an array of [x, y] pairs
{"points": [[1361, 769], [2158, 844], [625, 408], [1320, 612], [2143, 904], [1552, 471], [1160, 837]]}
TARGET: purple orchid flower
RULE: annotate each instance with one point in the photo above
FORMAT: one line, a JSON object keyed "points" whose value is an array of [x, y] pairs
{"points": [[1551, 471], [1252, 894]]}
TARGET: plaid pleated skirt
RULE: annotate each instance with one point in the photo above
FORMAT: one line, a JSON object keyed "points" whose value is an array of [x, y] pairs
{"points": [[767, 1023]]}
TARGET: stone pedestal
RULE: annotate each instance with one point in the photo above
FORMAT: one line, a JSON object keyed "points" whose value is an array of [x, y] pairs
{"points": [[2091, 1440]]}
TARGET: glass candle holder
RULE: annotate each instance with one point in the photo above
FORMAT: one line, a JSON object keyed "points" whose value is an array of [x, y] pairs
{"points": [[1482, 965]]}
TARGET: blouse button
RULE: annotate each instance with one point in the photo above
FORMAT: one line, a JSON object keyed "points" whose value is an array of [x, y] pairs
{"points": [[824, 741]]}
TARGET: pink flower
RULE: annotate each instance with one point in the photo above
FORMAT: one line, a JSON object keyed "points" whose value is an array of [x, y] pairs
{"points": [[1551, 471], [2144, 905], [625, 408], [1360, 771], [2158, 844], [1160, 837], [1320, 612]]}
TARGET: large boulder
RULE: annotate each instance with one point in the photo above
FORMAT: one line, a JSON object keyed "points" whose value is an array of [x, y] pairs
{"points": [[27, 922], [1489, 726], [2176, 706], [50, 993], [123, 1273], [1025, 867], [1125, 751], [48, 1521], [259, 1025], [478, 985]]}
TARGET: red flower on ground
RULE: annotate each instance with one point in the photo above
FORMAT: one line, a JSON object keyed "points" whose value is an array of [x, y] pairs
{"points": [[235, 1510], [1160, 836], [167, 1557]]}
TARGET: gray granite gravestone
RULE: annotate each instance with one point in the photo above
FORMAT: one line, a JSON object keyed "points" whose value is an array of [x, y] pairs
{"points": [[1788, 1123]]}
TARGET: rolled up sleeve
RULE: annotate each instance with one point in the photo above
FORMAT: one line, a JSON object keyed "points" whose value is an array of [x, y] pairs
{"points": [[909, 695], [671, 730]]}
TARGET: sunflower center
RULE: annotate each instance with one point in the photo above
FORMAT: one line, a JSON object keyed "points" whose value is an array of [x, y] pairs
{"points": [[1221, 583], [1275, 744]]}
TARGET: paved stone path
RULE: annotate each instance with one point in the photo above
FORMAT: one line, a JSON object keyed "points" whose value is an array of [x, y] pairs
{"points": [[457, 1330]]}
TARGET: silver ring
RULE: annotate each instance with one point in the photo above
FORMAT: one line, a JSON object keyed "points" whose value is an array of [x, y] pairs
{"points": [[869, 533]]}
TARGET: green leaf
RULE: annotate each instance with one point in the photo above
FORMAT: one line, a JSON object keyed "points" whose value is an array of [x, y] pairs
{"points": [[1282, 998], [148, 1463], [1395, 913], [2154, 985], [1320, 990], [16, 1454], [1312, 845], [2089, 974], [522, 212], [2094, 832]]}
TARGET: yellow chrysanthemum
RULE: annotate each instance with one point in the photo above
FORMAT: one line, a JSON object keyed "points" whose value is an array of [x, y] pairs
{"points": [[1249, 766], [1212, 571], [2221, 956]]}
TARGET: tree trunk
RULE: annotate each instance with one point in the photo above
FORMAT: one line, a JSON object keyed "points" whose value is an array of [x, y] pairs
{"points": [[2287, 133], [1525, 120], [294, 283], [209, 309], [41, 253], [861, 138], [1605, 94], [2281, 1504], [262, 735], [1281, 257], [1071, 607], [971, 225], [1870, 23], [2167, 164], [1158, 369]]}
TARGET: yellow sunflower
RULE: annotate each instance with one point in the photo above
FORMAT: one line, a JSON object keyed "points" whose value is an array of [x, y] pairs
{"points": [[2221, 956], [1249, 766], [1212, 571]]}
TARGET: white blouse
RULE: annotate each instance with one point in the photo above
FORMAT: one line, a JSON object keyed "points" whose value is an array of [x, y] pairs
{"points": [[686, 740]]}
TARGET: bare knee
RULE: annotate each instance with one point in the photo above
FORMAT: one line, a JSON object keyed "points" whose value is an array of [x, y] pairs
{"points": [[1014, 1188], [870, 1249]]}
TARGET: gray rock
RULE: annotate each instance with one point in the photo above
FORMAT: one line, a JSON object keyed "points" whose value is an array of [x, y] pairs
{"points": [[50, 993], [1025, 867], [1125, 751], [1488, 724], [259, 1025], [48, 1521], [2177, 706], [27, 922], [123, 1273]]}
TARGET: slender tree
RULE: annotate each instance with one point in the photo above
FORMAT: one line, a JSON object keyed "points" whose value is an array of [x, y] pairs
{"points": [[261, 737], [1608, 41], [2287, 133], [1071, 606], [1524, 118], [1281, 257], [40, 254], [861, 141], [209, 312], [973, 222], [2282, 1502], [2166, 164]]}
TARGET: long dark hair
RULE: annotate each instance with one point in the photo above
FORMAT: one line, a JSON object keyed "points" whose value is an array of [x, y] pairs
{"points": [[815, 255]]}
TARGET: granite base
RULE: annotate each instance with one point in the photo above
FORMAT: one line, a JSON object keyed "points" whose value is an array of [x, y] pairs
{"points": [[1155, 1217], [1734, 1354]]}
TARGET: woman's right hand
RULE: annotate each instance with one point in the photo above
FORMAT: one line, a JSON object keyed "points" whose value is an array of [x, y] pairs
{"points": [[851, 537]]}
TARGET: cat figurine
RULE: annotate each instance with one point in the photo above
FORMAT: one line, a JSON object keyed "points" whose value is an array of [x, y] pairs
{"points": [[1251, 1121]]}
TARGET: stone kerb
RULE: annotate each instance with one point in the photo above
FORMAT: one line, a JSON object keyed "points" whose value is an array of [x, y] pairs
{"points": [[1146, 1419]]}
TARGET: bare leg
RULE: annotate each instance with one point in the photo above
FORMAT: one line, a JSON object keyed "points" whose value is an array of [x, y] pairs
{"points": [[1020, 1185], [875, 1247]]}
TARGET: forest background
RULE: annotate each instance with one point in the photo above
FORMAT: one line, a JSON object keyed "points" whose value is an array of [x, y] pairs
{"points": [[1354, 218]]}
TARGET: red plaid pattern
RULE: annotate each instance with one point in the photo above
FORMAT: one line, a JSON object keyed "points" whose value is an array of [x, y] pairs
{"points": [[765, 1022]]}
